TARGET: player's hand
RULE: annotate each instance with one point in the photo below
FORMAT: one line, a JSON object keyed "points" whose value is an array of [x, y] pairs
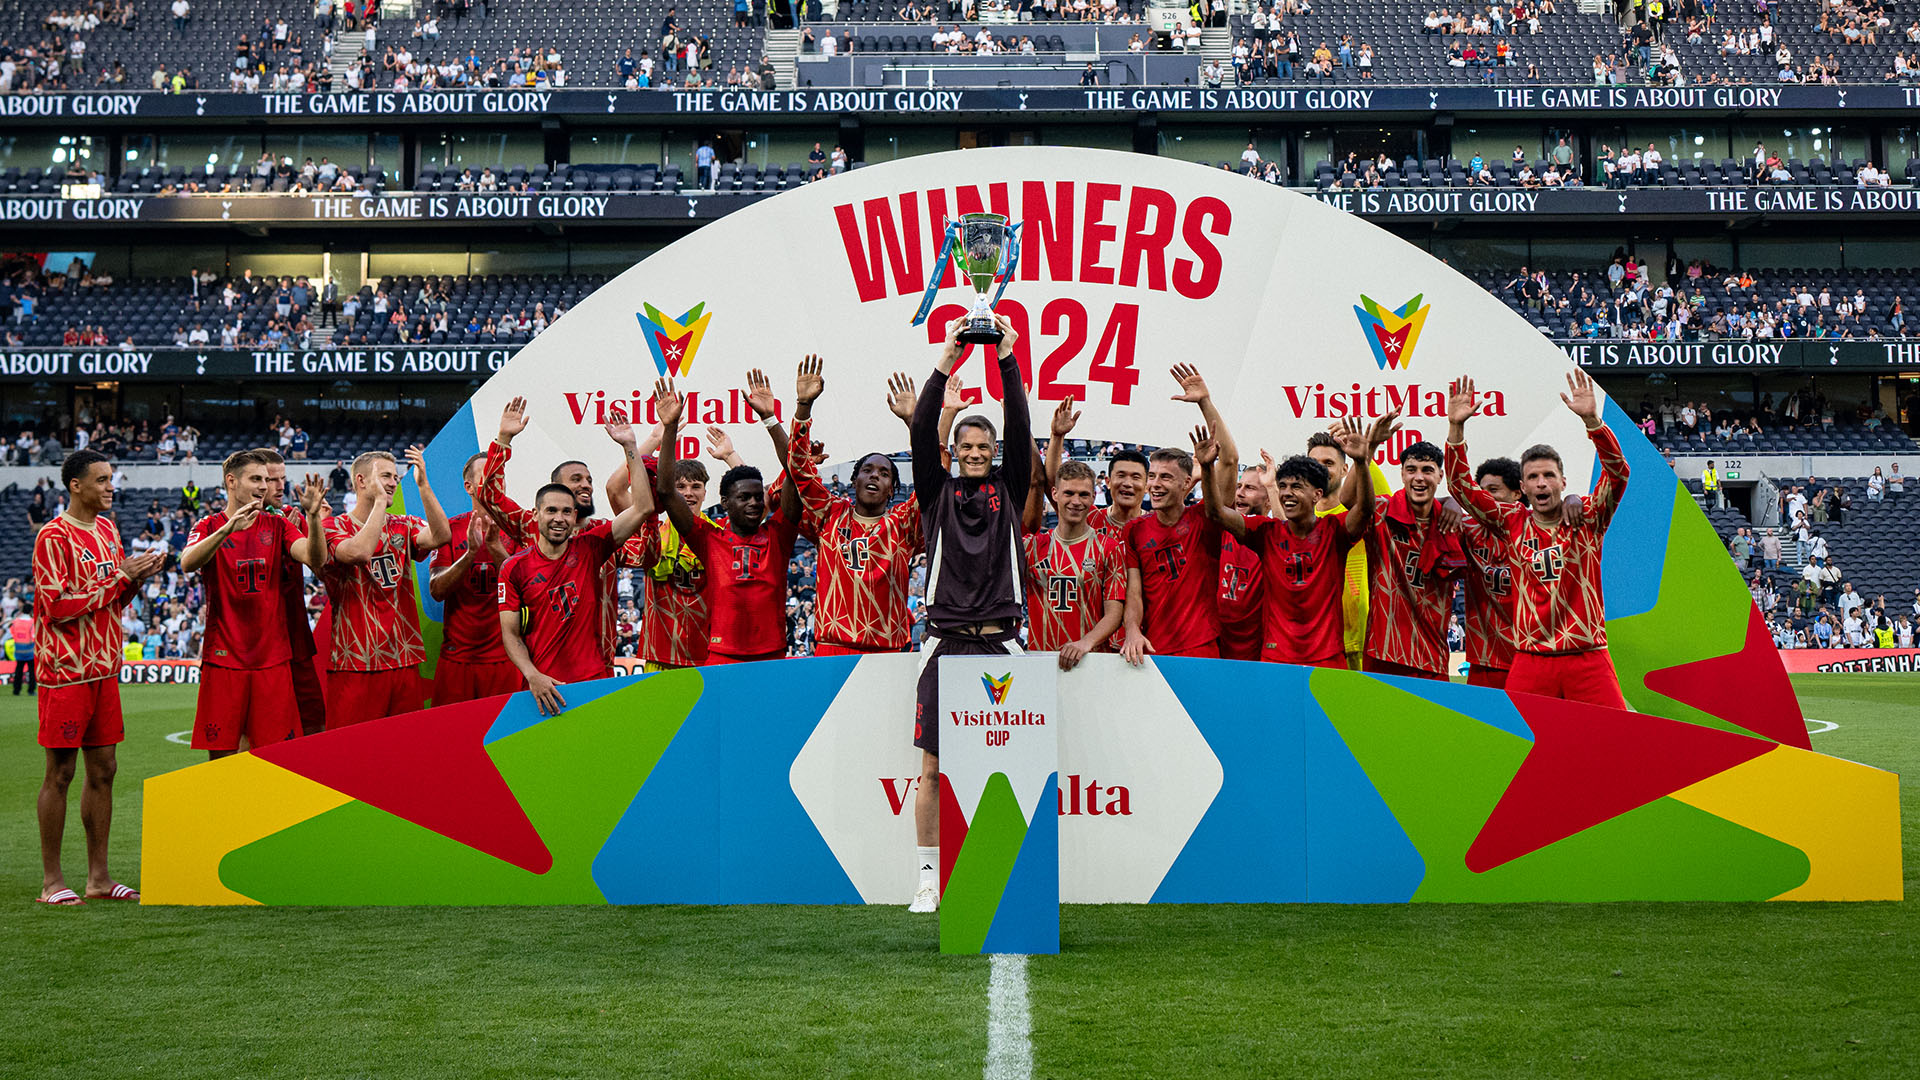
{"points": [[1136, 648], [900, 396], [1193, 388], [809, 383], [1064, 417], [950, 351], [417, 460], [1008, 335], [1573, 511], [513, 419], [1446, 516], [667, 403], [1383, 429], [1073, 652], [1581, 398], [241, 518], [817, 452], [719, 444], [142, 567], [1206, 448], [1462, 403], [760, 394], [1351, 437], [620, 429], [546, 693], [955, 398], [476, 533], [313, 495]]}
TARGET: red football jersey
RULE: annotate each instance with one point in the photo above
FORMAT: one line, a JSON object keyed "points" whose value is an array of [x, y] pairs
{"points": [[246, 606], [1100, 519], [675, 626], [558, 601], [1179, 580], [747, 584], [293, 589], [78, 594], [1068, 586], [470, 618], [1241, 601], [1489, 619], [376, 621], [860, 594], [1300, 616], [1559, 605], [517, 527], [1410, 591]]}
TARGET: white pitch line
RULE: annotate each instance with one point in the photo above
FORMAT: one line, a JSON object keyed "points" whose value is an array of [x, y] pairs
{"points": [[1830, 726], [1009, 1024], [184, 738]]}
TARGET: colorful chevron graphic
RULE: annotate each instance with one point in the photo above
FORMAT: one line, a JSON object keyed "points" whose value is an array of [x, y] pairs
{"points": [[1392, 334], [674, 341], [997, 688]]}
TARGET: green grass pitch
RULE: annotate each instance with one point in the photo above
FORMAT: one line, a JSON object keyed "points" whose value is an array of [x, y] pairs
{"points": [[1618, 990]]}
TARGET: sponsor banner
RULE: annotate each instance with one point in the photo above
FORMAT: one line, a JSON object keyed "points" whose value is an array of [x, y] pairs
{"points": [[168, 672], [465, 362], [187, 365], [417, 208], [999, 723], [1808, 661], [121, 108]]}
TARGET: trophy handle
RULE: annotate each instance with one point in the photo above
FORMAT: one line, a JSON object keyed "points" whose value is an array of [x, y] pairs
{"points": [[940, 265], [1009, 259]]}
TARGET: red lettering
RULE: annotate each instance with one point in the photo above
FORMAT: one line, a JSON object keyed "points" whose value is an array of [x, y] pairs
{"points": [[1016, 314], [578, 403], [897, 795], [1118, 337], [882, 240], [937, 333], [1067, 310], [1047, 231], [1206, 215], [1146, 243], [1095, 233]]}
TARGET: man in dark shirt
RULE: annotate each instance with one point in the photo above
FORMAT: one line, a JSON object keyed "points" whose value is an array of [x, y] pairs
{"points": [[974, 559]]}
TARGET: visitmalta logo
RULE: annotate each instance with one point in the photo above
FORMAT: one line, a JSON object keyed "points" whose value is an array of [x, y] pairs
{"points": [[997, 688], [1391, 334], [674, 341]]}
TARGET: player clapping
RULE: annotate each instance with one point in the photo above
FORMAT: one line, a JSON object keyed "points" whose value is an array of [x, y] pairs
{"points": [[473, 659], [243, 555]]}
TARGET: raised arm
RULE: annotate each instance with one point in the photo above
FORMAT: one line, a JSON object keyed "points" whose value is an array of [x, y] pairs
{"points": [[1462, 404], [1206, 454], [1193, 389], [618, 489], [435, 533], [1359, 445], [492, 496], [669, 407], [359, 548], [200, 552], [1584, 399], [761, 400], [627, 522], [929, 471], [1016, 453]]}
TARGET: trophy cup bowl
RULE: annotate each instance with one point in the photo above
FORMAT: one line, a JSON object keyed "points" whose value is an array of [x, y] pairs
{"points": [[981, 250]]}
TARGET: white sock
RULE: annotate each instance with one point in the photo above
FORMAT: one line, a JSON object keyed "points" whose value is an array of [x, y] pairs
{"points": [[928, 859]]}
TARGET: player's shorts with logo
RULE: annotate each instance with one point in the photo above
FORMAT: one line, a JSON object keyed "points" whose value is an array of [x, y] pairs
{"points": [[457, 680], [81, 714], [256, 702], [926, 716], [354, 697]]}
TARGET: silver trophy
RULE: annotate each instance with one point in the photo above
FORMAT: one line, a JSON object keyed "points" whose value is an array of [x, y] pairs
{"points": [[986, 249], [980, 249]]}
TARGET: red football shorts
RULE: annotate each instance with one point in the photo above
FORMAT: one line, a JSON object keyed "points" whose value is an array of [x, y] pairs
{"points": [[81, 714], [1586, 676], [715, 658], [1241, 641], [257, 703], [457, 680], [354, 697], [308, 694], [1373, 666], [829, 648], [1495, 677]]}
